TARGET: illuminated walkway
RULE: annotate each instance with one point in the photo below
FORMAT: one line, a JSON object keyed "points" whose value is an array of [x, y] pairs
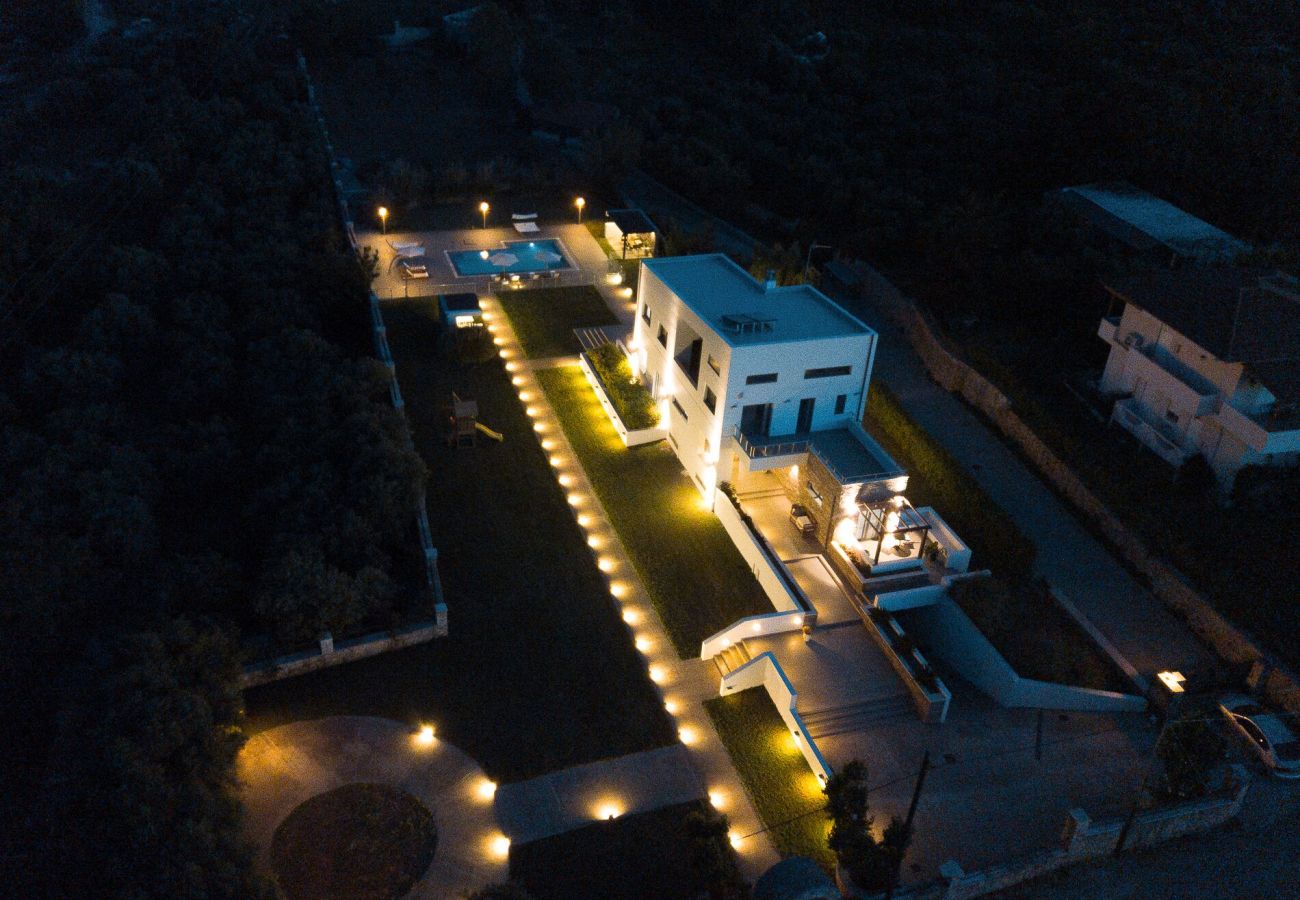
{"points": [[684, 683], [571, 798], [280, 768]]}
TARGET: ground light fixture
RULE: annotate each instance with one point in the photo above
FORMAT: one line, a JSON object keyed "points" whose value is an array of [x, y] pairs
{"points": [[734, 838], [424, 736], [717, 799], [499, 846], [687, 735], [581, 203], [383, 218], [487, 789], [671, 707], [483, 209]]}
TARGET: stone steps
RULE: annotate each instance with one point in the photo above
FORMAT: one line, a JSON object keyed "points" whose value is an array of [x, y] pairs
{"points": [[856, 716]]}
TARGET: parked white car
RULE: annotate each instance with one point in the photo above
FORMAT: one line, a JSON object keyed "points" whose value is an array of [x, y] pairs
{"points": [[1267, 734]]}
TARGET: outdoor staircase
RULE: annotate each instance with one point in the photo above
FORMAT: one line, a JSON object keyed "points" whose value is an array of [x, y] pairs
{"points": [[856, 716], [731, 659]]}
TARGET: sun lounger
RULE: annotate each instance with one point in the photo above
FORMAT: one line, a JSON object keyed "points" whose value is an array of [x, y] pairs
{"points": [[523, 217], [527, 227]]}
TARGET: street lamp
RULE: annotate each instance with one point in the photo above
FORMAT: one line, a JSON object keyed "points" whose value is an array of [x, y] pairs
{"points": [[383, 218], [808, 259], [483, 208], [580, 203]]}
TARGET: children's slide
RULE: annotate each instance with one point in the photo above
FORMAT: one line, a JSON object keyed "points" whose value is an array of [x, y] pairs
{"points": [[495, 435]]}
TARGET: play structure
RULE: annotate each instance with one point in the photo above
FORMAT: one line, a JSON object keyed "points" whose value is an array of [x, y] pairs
{"points": [[464, 424]]}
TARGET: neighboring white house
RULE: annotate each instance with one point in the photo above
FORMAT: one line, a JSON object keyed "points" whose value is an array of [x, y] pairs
{"points": [[1207, 360], [753, 377]]}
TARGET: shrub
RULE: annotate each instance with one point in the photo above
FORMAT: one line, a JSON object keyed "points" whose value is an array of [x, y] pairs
{"points": [[631, 400], [873, 864]]}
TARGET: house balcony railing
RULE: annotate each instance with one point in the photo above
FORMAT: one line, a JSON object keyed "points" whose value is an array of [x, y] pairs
{"points": [[762, 447], [1160, 437], [865, 461]]}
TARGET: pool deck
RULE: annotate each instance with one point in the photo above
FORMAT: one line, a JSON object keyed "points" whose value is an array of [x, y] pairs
{"points": [[588, 261]]}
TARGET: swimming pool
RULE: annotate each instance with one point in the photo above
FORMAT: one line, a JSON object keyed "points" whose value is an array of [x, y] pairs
{"points": [[511, 258]]}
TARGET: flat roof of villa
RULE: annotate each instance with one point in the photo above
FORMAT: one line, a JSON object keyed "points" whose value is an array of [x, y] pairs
{"points": [[715, 288], [466, 302]]}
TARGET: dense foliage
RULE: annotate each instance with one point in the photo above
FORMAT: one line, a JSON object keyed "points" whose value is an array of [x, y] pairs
{"points": [[636, 408], [189, 430], [872, 862]]}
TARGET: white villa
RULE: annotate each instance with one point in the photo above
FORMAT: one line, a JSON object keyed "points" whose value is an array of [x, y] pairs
{"points": [[1207, 361]]}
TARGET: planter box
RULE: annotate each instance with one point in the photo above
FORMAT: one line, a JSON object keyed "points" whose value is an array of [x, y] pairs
{"points": [[630, 438], [930, 706]]}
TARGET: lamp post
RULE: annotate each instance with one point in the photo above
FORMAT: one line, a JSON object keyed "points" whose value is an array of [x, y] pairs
{"points": [[483, 208], [383, 218], [580, 203], [808, 259]]}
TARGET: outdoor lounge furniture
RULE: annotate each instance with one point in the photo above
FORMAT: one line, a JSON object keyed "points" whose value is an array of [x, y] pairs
{"points": [[526, 227]]}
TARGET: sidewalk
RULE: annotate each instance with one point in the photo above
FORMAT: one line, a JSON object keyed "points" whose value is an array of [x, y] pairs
{"points": [[1074, 562]]}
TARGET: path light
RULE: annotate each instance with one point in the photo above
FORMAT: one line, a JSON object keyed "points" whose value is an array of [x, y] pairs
{"points": [[608, 811], [383, 218], [483, 208], [644, 644], [487, 789], [631, 616], [670, 706], [687, 735], [606, 564], [717, 799], [659, 676], [584, 520], [575, 499], [593, 542], [425, 736], [500, 846], [566, 480], [734, 838], [618, 590], [580, 203]]}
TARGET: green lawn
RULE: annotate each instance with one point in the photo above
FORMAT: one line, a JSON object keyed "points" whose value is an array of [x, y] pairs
{"points": [[544, 318], [936, 479], [786, 794], [697, 579], [638, 857], [539, 671]]}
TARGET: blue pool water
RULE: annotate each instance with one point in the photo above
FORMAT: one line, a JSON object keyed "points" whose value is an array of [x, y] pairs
{"points": [[528, 256]]}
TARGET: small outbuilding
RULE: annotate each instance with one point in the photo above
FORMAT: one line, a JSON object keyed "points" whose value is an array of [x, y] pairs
{"points": [[460, 310], [796, 878], [631, 232]]}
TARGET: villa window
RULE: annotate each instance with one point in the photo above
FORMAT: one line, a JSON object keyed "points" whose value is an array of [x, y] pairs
{"points": [[645, 313], [767, 378], [828, 372], [713, 364], [839, 403], [663, 336], [677, 406], [710, 399]]}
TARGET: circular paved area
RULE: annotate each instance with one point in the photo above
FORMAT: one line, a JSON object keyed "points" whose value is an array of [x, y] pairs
{"points": [[280, 768]]}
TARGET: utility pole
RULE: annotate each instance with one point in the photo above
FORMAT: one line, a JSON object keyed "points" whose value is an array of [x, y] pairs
{"points": [[911, 815]]}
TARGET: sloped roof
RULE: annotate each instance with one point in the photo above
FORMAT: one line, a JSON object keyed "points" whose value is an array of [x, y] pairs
{"points": [[796, 878], [1144, 221], [1239, 315]]}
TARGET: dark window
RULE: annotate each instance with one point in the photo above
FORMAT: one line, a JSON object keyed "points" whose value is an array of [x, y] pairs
{"points": [[663, 336], [814, 493], [829, 372], [761, 379], [677, 406], [803, 424], [710, 399], [645, 313], [713, 364], [756, 419], [839, 403], [689, 359]]}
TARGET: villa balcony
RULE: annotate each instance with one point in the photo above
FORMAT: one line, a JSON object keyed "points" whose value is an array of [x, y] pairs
{"points": [[1160, 436], [850, 454]]}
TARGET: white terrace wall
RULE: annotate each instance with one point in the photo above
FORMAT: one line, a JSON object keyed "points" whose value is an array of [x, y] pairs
{"points": [[765, 672], [950, 634], [764, 567]]}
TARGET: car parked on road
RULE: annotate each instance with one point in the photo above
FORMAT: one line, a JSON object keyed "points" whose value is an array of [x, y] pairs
{"points": [[1265, 732], [801, 519]]}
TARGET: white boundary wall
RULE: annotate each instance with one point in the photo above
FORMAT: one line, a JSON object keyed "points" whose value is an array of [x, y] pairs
{"points": [[765, 672]]}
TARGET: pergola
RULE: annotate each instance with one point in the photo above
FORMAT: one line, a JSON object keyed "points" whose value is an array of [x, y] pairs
{"points": [[887, 516]]}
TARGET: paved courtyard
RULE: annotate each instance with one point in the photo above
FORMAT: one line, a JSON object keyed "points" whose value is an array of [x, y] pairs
{"points": [[280, 768]]}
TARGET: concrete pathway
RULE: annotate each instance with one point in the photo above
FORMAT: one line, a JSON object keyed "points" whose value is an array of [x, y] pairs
{"points": [[571, 798], [281, 768], [684, 683], [1074, 562]]}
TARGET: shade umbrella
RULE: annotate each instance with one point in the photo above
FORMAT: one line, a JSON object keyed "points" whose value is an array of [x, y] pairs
{"points": [[503, 259], [549, 256]]}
